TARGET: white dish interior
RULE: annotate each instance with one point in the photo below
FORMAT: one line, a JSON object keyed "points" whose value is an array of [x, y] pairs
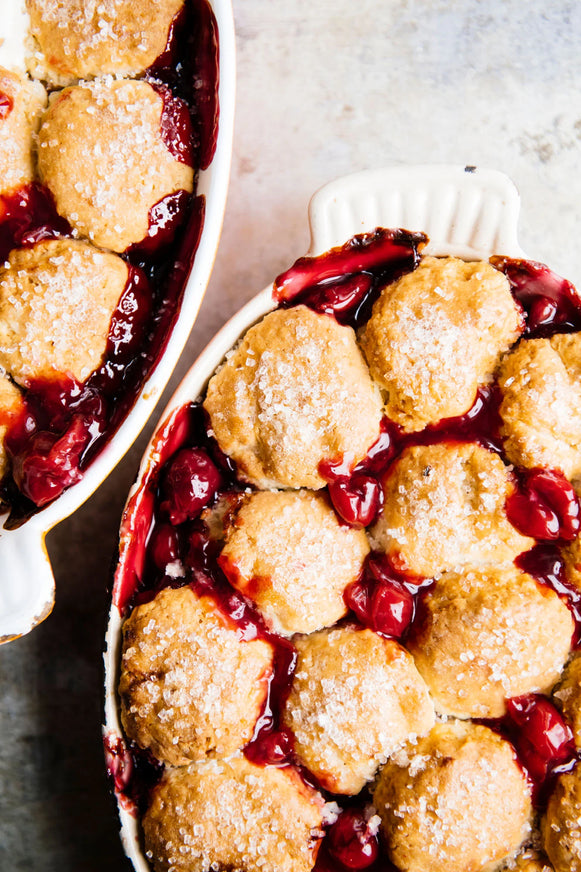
{"points": [[466, 212], [26, 579]]}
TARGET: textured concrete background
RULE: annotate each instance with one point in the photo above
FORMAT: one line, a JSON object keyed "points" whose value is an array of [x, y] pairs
{"points": [[325, 87]]}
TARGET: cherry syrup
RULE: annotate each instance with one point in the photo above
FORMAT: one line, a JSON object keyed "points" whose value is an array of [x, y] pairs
{"points": [[551, 303], [6, 105], [64, 425]]}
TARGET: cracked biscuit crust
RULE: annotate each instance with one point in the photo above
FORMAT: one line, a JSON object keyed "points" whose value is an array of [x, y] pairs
{"points": [[458, 801], [189, 686], [436, 335], [232, 815], [540, 382], [355, 698], [288, 552], [296, 391], [488, 635], [74, 39], [57, 299], [444, 508], [111, 132]]}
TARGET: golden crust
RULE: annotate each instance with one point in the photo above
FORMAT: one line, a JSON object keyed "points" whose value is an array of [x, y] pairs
{"points": [[540, 382], [436, 335], [288, 552], [232, 815], [10, 406], [18, 128], [57, 299], [355, 698], [69, 41], [189, 686], [444, 508], [460, 801], [561, 825], [568, 696], [528, 860], [488, 635], [294, 392], [110, 132]]}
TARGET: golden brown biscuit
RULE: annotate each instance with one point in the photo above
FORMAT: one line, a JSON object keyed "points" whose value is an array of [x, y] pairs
{"points": [[568, 696], [436, 335], [56, 304], [355, 698], [528, 860], [488, 635], [77, 39], [444, 508], [10, 406], [296, 391], [189, 686], [459, 802], [230, 814], [110, 132], [288, 552], [541, 403], [561, 825], [23, 104]]}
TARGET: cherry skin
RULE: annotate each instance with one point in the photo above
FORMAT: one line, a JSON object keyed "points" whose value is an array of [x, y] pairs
{"points": [[544, 740], [380, 600], [545, 506], [164, 546], [357, 500], [352, 842], [189, 484]]}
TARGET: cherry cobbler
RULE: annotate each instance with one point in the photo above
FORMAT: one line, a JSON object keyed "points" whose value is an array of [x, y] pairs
{"points": [[353, 588], [100, 147]]}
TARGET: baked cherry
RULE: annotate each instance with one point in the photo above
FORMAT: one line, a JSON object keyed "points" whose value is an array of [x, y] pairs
{"points": [[271, 748], [352, 840], [381, 452], [545, 506], [357, 500], [189, 484], [118, 762], [48, 463], [551, 302], [543, 739], [201, 548], [381, 600], [339, 298], [164, 545]]}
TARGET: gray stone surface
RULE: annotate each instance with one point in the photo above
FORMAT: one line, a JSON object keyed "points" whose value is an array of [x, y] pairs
{"points": [[324, 88]]}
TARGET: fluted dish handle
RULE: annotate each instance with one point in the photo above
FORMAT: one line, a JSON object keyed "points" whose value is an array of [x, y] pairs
{"points": [[466, 211], [27, 583]]}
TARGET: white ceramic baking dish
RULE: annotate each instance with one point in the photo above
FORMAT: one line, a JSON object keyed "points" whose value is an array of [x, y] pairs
{"points": [[26, 579], [467, 212]]}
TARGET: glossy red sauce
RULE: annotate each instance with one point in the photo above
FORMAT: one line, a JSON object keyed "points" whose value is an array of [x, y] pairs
{"points": [[544, 506], [133, 773], [50, 452], [551, 303], [6, 105]]}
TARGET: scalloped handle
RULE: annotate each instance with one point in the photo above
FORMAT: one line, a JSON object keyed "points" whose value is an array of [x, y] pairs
{"points": [[466, 211], [26, 581]]}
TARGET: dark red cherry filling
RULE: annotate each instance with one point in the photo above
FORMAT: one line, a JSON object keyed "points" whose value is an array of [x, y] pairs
{"points": [[356, 500], [176, 125], [333, 283], [543, 740], [189, 484], [351, 841], [50, 464], [28, 216], [165, 218], [544, 506], [381, 598], [164, 545], [6, 105], [551, 303]]}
